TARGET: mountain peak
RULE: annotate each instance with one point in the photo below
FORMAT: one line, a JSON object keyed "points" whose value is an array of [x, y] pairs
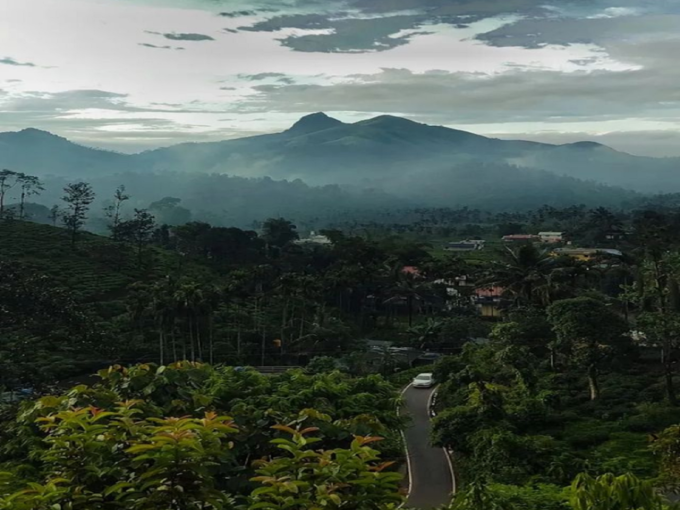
{"points": [[313, 123], [585, 145], [33, 135], [37, 132]]}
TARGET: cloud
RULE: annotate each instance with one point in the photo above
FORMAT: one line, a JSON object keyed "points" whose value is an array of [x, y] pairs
{"points": [[147, 45], [654, 143], [467, 98], [342, 33], [188, 37], [237, 14], [360, 26], [11, 62], [278, 77], [535, 33]]}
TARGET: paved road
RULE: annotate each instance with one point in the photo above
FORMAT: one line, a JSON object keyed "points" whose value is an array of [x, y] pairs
{"points": [[430, 473]]}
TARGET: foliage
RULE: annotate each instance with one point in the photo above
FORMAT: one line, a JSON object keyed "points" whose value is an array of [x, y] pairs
{"points": [[608, 492], [157, 437], [79, 196], [590, 332], [306, 478]]}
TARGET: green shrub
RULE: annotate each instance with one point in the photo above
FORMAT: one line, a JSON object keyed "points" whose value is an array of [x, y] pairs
{"points": [[652, 417], [625, 453], [530, 497], [589, 432]]}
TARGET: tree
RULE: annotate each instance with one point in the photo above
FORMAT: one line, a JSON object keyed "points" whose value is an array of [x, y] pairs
{"points": [[663, 330], [278, 232], [601, 223], [55, 214], [113, 211], [159, 437], [30, 186], [79, 196], [523, 273], [170, 212], [667, 446], [342, 478], [591, 332], [527, 328], [8, 179], [606, 492], [406, 288], [426, 335], [610, 492], [139, 230]]}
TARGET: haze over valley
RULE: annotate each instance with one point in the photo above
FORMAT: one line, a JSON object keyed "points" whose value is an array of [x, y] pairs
{"points": [[328, 165]]}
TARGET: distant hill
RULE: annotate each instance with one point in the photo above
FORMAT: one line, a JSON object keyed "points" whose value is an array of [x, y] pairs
{"points": [[423, 164], [386, 151], [41, 153]]}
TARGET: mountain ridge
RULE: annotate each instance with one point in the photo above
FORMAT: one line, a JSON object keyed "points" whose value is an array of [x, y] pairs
{"points": [[386, 152]]}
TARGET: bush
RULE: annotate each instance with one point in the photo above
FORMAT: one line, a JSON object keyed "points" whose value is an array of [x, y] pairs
{"points": [[530, 497], [653, 418], [625, 453], [589, 432]]}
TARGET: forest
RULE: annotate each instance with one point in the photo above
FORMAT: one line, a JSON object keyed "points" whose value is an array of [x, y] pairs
{"points": [[124, 358]]}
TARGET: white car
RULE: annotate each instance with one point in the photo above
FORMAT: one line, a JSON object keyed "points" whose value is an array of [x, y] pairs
{"points": [[423, 381]]}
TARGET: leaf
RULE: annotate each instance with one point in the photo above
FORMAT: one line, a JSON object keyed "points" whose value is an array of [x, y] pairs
{"points": [[117, 487], [284, 428]]}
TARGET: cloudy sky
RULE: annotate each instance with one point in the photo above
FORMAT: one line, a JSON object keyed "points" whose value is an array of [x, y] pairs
{"points": [[135, 74]]}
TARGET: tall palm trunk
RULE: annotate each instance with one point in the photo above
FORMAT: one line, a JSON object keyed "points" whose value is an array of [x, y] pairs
{"points": [[192, 346], [173, 338], [21, 204], [161, 346], [409, 304], [199, 342], [211, 346], [593, 382], [668, 372], [553, 358], [264, 340]]}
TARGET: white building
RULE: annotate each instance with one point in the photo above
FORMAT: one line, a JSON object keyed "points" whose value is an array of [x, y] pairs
{"points": [[314, 238], [551, 237]]}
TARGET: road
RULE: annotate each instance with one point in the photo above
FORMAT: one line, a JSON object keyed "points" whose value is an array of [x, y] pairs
{"points": [[430, 473]]}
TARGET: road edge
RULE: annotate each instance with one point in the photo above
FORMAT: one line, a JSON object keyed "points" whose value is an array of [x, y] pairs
{"points": [[400, 405], [449, 453]]}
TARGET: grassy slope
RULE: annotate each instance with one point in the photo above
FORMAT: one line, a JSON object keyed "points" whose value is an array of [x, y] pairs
{"points": [[96, 270]]}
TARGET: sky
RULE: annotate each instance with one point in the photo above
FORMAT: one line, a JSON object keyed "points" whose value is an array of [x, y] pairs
{"points": [[130, 75]]}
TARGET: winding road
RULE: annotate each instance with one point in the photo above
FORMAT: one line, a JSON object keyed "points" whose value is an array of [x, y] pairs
{"points": [[430, 471]]}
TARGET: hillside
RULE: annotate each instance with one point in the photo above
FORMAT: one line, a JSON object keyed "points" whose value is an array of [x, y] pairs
{"points": [[322, 150], [38, 152], [426, 165], [97, 271]]}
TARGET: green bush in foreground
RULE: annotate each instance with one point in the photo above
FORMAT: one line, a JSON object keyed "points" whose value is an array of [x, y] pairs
{"points": [[606, 492], [125, 459]]}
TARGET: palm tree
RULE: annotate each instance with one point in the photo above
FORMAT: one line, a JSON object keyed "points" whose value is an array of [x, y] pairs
{"points": [[163, 307], [189, 297], [405, 286], [425, 334], [524, 273]]}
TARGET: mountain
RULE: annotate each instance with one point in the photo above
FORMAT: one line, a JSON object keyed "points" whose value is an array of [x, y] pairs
{"points": [[37, 152], [430, 165], [389, 151]]}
